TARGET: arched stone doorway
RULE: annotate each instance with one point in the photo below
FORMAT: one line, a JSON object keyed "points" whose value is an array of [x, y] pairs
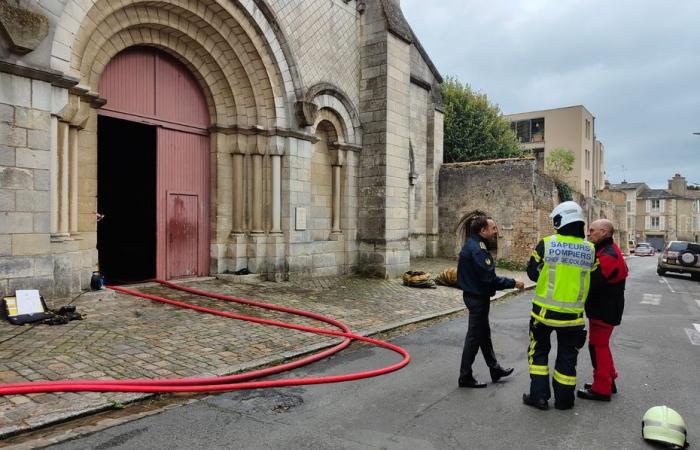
{"points": [[153, 169]]}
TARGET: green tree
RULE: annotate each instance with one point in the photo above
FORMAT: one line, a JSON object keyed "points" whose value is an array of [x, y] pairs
{"points": [[559, 163], [474, 128]]}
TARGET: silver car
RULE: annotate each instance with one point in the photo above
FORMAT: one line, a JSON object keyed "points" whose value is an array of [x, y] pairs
{"points": [[644, 249]]}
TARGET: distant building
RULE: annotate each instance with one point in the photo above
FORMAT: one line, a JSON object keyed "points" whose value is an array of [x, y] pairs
{"points": [[571, 127], [631, 191], [662, 215]]}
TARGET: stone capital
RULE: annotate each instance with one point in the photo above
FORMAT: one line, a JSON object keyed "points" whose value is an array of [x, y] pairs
{"points": [[306, 113], [23, 29], [224, 143], [337, 154], [262, 145], [276, 145], [70, 111]]}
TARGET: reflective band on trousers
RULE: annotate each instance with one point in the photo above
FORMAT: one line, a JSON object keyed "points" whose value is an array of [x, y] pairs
{"points": [[558, 323], [656, 423], [539, 370], [564, 379]]}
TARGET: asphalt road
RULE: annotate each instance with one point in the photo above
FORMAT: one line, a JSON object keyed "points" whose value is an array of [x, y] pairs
{"points": [[657, 353]]}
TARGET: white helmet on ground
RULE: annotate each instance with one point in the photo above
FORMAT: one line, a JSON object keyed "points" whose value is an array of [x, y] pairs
{"points": [[664, 425], [566, 213]]}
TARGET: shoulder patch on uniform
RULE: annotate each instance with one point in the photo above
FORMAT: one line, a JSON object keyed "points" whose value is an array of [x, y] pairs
{"points": [[482, 245], [487, 261]]}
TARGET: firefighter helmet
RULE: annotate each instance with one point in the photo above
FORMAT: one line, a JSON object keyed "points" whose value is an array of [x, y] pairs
{"points": [[662, 424], [566, 213]]}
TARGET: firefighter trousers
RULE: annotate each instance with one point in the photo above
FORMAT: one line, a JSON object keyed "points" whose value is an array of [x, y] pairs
{"points": [[604, 372], [569, 341]]}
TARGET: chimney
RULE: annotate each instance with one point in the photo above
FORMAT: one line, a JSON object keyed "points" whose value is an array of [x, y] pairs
{"points": [[677, 185]]}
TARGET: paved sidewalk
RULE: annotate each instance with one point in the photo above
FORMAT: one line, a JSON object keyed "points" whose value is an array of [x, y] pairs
{"points": [[127, 337]]}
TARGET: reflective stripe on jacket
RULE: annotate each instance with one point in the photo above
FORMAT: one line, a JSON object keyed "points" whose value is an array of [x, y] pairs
{"points": [[564, 280]]}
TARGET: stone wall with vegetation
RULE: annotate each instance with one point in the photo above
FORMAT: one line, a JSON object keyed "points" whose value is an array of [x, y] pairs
{"points": [[511, 190]]}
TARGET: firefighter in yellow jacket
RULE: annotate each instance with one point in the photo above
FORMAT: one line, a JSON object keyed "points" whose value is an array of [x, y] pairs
{"points": [[561, 265]]}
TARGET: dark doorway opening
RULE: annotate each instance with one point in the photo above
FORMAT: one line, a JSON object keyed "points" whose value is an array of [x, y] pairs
{"points": [[126, 195]]}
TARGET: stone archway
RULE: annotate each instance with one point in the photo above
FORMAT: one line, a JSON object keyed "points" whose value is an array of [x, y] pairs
{"points": [[242, 64]]}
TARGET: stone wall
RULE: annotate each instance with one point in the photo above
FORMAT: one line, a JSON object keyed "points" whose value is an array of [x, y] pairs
{"points": [[609, 205], [512, 191]]}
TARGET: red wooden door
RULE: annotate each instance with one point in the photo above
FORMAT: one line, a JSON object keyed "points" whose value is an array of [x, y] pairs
{"points": [[146, 85], [182, 219]]}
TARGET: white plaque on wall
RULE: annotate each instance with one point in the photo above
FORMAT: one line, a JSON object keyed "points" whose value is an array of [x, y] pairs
{"points": [[300, 219]]}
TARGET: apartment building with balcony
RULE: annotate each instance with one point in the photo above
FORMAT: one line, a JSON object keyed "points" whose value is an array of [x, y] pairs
{"points": [[571, 127]]}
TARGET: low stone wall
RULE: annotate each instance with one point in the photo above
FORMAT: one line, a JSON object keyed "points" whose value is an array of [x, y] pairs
{"points": [[518, 197]]}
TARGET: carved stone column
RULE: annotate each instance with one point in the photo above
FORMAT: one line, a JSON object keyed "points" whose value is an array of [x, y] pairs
{"points": [[73, 181], [337, 162], [54, 183], [257, 226], [336, 199], [63, 169], [238, 190]]}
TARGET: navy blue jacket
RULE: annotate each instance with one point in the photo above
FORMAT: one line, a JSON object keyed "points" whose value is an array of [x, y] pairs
{"points": [[476, 272]]}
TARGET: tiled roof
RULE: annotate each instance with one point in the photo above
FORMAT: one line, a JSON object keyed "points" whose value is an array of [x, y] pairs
{"points": [[626, 186], [656, 193]]}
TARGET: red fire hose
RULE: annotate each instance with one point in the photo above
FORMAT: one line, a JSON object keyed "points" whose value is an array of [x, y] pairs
{"points": [[230, 382]]}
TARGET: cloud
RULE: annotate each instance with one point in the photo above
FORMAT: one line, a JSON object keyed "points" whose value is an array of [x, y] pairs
{"points": [[633, 64]]}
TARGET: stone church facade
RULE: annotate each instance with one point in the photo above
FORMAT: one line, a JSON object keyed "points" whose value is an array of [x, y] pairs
{"points": [[290, 138]]}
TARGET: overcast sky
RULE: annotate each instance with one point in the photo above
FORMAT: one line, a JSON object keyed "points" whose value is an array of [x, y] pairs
{"points": [[634, 64]]}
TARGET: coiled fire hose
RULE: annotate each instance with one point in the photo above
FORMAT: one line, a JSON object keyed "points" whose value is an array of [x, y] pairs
{"points": [[230, 382]]}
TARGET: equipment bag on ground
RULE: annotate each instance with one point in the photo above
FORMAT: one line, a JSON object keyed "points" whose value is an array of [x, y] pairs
{"points": [[25, 307]]}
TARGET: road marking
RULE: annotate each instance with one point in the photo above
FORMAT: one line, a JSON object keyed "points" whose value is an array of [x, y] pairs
{"points": [[668, 284], [651, 299], [697, 326], [693, 335]]}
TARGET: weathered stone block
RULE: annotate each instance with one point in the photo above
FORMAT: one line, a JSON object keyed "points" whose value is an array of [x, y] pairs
{"points": [[43, 265], [7, 113], [42, 94], [30, 244], [7, 155], [42, 222], [7, 200], [32, 118], [44, 284], [33, 201], [15, 90], [33, 159], [42, 180], [12, 136], [16, 178], [13, 267], [39, 139], [5, 244], [16, 222]]}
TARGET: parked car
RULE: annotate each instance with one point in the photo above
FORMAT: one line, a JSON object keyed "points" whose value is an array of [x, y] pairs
{"points": [[644, 249], [682, 257]]}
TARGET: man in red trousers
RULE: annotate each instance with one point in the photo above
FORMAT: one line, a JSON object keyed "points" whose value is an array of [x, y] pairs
{"points": [[604, 306]]}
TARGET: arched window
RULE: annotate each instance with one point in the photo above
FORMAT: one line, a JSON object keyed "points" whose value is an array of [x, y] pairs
{"points": [[321, 217]]}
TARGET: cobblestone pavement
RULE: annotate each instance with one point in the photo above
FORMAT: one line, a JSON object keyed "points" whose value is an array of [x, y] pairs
{"points": [[127, 337]]}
